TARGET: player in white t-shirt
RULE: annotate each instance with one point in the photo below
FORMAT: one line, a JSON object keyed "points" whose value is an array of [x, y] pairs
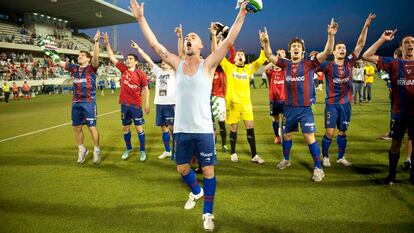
{"points": [[164, 98]]}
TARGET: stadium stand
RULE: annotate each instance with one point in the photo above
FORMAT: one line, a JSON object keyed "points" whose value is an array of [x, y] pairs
{"points": [[22, 21]]}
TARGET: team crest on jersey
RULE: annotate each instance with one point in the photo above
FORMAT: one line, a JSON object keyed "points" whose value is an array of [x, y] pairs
{"points": [[408, 71]]}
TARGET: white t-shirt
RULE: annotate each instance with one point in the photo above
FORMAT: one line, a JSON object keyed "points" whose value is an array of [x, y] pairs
{"points": [[359, 74], [164, 86]]}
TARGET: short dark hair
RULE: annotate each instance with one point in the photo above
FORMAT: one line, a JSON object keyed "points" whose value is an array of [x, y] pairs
{"points": [[297, 40], [88, 54], [398, 52], [402, 39], [134, 56], [338, 43]]}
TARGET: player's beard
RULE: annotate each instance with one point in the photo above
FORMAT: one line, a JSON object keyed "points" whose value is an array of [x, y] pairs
{"points": [[190, 53]]}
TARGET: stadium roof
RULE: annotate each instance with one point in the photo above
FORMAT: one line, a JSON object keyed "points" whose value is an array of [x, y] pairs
{"points": [[81, 14]]}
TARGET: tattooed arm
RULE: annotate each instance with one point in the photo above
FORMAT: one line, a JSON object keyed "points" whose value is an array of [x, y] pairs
{"points": [[168, 57]]}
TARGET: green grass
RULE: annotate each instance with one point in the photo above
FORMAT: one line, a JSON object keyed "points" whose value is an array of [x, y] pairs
{"points": [[43, 189]]}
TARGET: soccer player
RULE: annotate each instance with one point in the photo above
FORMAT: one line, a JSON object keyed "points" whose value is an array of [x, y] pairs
{"points": [[26, 91], [238, 103], [101, 85], [113, 85], [192, 127], [130, 99], [218, 91], [299, 91], [338, 76], [402, 89], [15, 90], [164, 99], [84, 99], [276, 78]]}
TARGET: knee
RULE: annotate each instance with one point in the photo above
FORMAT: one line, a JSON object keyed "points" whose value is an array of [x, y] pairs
{"points": [[287, 136], [309, 138], [395, 146], [125, 128], [208, 172], [77, 129], [342, 133], [164, 128], [183, 169], [329, 134]]}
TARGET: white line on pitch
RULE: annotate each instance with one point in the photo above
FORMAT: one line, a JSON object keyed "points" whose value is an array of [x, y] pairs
{"points": [[53, 127]]}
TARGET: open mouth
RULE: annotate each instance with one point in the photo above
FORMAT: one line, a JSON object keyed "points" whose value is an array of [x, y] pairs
{"points": [[296, 53], [410, 49], [188, 44]]}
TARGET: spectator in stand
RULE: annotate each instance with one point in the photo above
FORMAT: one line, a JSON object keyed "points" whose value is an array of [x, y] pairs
{"points": [[6, 91], [15, 90], [26, 91]]}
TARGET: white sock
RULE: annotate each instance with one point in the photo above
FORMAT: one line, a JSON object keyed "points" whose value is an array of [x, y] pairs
{"points": [[81, 147], [96, 148]]}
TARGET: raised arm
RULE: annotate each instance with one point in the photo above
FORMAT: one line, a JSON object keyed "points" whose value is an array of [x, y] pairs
{"points": [[213, 41], [138, 11], [264, 40], [369, 55], [141, 52], [108, 48], [180, 46], [146, 94], [215, 58], [330, 43], [363, 36], [95, 56]]}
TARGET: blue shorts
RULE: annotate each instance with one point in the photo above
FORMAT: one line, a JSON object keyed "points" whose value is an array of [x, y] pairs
{"points": [[129, 113], [164, 115], [400, 124], [338, 116], [276, 107], [84, 114], [292, 116], [200, 145]]}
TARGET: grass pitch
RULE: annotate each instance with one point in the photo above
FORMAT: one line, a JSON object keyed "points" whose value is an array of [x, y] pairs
{"points": [[43, 189]]}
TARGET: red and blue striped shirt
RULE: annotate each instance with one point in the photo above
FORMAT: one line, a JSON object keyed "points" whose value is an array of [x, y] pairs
{"points": [[299, 85], [338, 80], [401, 74], [84, 82]]}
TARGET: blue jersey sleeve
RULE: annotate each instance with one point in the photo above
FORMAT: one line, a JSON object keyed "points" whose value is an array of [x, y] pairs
{"points": [[385, 63]]}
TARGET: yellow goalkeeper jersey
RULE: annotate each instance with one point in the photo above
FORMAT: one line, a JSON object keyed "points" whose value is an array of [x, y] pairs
{"points": [[238, 79]]}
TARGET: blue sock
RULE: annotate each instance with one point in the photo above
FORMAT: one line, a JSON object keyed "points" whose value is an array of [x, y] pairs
{"points": [[275, 125], [141, 137], [326, 143], [127, 139], [287, 145], [209, 192], [316, 154], [190, 180], [166, 140], [341, 140]]}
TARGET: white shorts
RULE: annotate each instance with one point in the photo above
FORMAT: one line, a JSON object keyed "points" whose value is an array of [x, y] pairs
{"points": [[218, 108]]}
